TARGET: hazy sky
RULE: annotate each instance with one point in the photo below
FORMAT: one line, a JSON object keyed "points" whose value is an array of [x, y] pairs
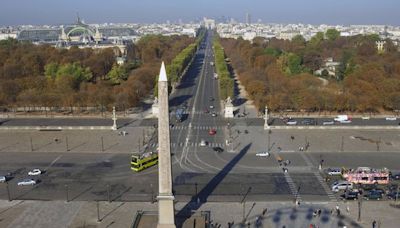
{"points": [[345, 12]]}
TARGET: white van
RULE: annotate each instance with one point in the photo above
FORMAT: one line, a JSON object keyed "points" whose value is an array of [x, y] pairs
{"points": [[3, 179], [341, 185]]}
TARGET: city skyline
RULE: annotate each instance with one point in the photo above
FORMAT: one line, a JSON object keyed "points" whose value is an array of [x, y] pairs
{"points": [[123, 11]]}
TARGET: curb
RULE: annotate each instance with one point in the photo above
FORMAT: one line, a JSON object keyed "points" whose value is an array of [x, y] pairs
{"points": [[56, 128]]}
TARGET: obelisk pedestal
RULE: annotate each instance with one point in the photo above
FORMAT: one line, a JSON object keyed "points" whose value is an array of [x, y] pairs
{"points": [[228, 108], [166, 214]]}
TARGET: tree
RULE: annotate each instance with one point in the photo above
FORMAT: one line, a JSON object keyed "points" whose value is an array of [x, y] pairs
{"points": [[117, 74], [332, 34]]}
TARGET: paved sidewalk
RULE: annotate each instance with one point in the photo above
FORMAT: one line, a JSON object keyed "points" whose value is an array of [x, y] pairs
{"points": [[121, 214]]}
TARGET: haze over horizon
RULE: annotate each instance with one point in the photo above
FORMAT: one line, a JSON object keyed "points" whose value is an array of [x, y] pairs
{"points": [[332, 12]]}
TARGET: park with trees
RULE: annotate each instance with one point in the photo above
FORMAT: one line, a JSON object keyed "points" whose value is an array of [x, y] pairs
{"points": [[279, 73], [44, 76]]}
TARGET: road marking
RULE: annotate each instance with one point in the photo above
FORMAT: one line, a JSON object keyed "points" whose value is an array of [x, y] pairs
{"points": [[52, 163]]}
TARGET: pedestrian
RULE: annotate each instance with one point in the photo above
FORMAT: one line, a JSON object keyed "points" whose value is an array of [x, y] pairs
{"points": [[319, 212], [374, 224], [264, 211], [348, 209], [292, 137]]}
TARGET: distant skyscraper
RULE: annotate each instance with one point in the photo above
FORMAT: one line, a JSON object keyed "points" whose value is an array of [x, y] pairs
{"points": [[248, 18]]}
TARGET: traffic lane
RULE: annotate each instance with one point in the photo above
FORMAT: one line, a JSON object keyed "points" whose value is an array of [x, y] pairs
{"points": [[51, 121], [320, 122], [389, 160], [233, 184], [308, 186], [83, 176], [248, 163]]}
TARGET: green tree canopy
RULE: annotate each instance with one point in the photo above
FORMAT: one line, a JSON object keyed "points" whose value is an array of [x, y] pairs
{"points": [[332, 34]]}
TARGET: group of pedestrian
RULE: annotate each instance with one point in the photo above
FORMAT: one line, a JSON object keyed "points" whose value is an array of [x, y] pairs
{"points": [[317, 212]]}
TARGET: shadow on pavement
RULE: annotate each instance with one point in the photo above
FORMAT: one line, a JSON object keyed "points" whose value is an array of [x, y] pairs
{"points": [[201, 198], [305, 216]]}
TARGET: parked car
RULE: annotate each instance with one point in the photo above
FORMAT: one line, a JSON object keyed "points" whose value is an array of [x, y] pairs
{"points": [[291, 122], [334, 171], [391, 118], [211, 106], [341, 185], [350, 195], [393, 195], [35, 172], [365, 117], [394, 176], [27, 182], [373, 195], [328, 122], [308, 121], [218, 149], [214, 114]]}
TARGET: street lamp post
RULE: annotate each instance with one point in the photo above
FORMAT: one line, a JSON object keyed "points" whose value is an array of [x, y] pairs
{"points": [[244, 204], [9, 196], [109, 193], [66, 193], [359, 208]]}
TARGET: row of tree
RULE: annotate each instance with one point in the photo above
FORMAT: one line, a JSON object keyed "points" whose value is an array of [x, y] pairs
{"points": [[226, 83], [279, 73], [41, 75]]}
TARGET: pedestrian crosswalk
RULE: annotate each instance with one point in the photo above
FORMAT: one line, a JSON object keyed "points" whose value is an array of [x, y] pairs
{"points": [[328, 191], [190, 144], [184, 127], [292, 186]]}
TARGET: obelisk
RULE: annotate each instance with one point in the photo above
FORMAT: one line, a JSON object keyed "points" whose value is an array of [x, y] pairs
{"points": [[166, 214]]}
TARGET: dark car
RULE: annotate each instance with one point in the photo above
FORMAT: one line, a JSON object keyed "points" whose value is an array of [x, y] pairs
{"points": [[218, 149], [308, 121], [373, 195], [394, 176], [393, 195], [350, 195]]}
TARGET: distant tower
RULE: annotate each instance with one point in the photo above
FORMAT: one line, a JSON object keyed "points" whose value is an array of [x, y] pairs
{"points": [[166, 214], [248, 18]]}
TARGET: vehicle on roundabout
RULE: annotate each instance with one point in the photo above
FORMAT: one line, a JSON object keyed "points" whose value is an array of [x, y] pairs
{"points": [[334, 171], [212, 131], [35, 172], [203, 142], [218, 149], [263, 154], [27, 182]]}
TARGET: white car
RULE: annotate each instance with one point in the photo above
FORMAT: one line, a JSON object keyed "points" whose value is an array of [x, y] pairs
{"points": [[211, 106], [263, 154], [35, 172], [328, 122], [334, 171], [345, 121], [342, 185], [203, 142], [291, 122], [365, 118], [214, 114], [26, 182], [390, 118]]}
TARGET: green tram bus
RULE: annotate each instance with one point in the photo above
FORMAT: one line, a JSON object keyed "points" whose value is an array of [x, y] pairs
{"points": [[143, 161]]}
